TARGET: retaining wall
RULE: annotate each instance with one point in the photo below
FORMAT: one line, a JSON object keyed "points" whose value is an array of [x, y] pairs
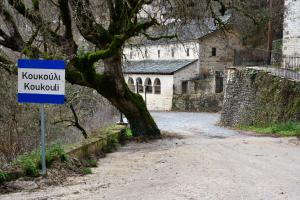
{"points": [[258, 97], [198, 102]]}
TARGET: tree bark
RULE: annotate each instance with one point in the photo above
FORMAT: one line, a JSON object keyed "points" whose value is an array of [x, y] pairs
{"points": [[129, 103]]}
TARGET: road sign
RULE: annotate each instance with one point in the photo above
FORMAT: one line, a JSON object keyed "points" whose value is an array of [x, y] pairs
{"points": [[41, 81]]}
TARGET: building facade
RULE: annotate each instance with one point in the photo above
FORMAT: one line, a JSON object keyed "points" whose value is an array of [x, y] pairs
{"points": [[291, 34], [157, 81], [189, 61]]}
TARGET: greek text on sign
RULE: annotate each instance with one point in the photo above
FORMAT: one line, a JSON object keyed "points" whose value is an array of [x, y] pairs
{"points": [[41, 81]]}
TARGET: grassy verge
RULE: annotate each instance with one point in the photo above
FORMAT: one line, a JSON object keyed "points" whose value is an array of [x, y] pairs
{"points": [[30, 163], [289, 129], [79, 157]]}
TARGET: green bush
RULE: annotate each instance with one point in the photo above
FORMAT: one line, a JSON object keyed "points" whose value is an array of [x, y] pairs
{"points": [[128, 133], [92, 162], [56, 151], [86, 170], [3, 176], [31, 162]]}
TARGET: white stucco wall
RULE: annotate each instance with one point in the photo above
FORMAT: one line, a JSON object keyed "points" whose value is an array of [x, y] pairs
{"points": [[180, 51], [161, 101], [291, 33]]}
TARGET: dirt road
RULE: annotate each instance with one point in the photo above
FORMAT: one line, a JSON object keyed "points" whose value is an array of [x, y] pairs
{"points": [[208, 163]]}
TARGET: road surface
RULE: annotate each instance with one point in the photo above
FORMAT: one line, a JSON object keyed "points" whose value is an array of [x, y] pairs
{"points": [[208, 162]]}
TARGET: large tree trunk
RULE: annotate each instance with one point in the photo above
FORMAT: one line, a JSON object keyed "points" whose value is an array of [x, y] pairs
{"points": [[129, 103]]}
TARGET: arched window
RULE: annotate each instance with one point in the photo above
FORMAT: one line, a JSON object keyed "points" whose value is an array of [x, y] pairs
{"points": [[148, 85], [139, 85], [157, 86], [131, 84]]}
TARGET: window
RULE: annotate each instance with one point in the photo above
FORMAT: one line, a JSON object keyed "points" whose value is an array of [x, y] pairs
{"points": [[157, 86], [130, 84], [219, 81], [158, 53], [184, 86], [187, 52], [131, 54], [139, 85], [148, 85], [172, 53], [214, 51]]}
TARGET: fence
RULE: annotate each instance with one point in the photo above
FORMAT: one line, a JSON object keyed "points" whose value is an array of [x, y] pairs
{"points": [[285, 66], [291, 63]]}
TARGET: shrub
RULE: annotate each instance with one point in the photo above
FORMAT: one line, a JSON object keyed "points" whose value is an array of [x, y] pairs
{"points": [[56, 151], [128, 133], [31, 162], [3, 176], [86, 170], [92, 162]]}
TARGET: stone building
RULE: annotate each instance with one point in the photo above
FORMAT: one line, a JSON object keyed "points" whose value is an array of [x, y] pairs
{"points": [[291, 34], [198, 57]]}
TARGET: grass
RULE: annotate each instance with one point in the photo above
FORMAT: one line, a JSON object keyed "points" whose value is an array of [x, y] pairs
{"points": [[3, 176], [92, 163], [31, 162], [288, 129], [86, 170]]}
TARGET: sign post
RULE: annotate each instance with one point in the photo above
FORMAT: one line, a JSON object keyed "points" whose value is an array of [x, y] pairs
{"points": [[42, 82], [43, 139]]}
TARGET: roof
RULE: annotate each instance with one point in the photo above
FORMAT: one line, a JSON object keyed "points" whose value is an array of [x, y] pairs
{"points": [[155, 66], [185, 32]]}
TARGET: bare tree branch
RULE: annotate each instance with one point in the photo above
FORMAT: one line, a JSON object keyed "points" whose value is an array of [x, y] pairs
{"points": [[15, 40], [86, 23], [76, 122]]}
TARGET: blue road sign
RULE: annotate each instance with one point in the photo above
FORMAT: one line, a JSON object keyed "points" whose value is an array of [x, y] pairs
{"points": [[41, 81]]}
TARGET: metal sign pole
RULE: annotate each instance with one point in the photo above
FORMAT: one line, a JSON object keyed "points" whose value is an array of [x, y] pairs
{"points": [[43, 146]]}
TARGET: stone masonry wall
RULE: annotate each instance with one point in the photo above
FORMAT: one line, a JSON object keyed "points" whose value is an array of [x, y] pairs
{"points": [[257, 97], [198, 102]]}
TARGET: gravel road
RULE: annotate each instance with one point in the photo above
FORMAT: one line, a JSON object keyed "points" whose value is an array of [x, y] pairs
{"points": [[209, 162]]}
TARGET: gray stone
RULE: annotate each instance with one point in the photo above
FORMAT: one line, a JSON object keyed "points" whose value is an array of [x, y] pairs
{"points": [[22, 185]]}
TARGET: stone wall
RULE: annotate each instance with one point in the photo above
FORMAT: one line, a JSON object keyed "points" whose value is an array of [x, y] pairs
{"points": [[225, 44], [198, 102], [257, 97]]}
